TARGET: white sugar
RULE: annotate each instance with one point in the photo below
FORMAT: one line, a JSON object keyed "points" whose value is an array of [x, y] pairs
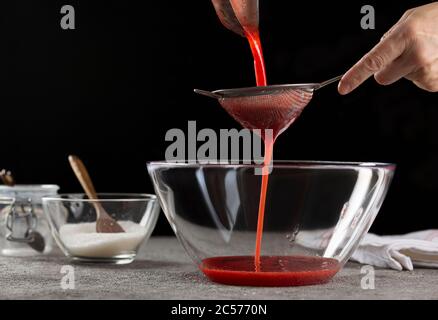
{"points": [[82, 240]]}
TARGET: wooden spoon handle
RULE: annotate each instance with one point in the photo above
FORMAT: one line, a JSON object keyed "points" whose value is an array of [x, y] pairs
{"points": [[82, 174], [104, 222]]}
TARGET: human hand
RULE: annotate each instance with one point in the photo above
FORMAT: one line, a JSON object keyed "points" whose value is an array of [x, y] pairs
{"points": [[408, 50]]}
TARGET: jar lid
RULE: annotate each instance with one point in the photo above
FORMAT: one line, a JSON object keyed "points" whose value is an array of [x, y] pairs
{"points": [[6, 200], [30, 188]]}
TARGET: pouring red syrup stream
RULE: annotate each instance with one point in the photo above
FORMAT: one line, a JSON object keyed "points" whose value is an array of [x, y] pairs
{"points": [[261, 79], [267, 270]]}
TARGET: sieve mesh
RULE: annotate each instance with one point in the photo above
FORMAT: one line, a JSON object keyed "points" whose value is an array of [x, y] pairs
{"points": [[276, 111]]}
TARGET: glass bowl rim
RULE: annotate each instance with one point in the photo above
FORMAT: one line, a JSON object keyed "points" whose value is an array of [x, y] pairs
{"points": [[298, 164], [136, 197]]}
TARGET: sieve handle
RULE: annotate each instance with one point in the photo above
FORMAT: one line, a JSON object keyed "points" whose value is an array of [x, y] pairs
{"points": [[326, 83], [207, 94]]}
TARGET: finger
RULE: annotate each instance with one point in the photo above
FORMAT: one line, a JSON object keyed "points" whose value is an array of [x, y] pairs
{"points": [[379, 57], [431, 86], [393, 72], [424, 80]]}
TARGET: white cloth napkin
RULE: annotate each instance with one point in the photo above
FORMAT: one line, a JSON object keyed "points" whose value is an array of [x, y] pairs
{"points": [[401, 252]]}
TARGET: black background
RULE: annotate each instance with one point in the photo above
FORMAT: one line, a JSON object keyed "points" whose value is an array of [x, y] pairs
{"points": [[110, 89]]}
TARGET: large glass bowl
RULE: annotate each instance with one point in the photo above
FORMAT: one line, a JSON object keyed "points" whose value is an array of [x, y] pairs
{"points": [[316, 215], [72, 219]]}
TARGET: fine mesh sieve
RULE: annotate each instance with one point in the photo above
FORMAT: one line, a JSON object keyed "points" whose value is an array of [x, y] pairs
{"points": [[273, 107]]}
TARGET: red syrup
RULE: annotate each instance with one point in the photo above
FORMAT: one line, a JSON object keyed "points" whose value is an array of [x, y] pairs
{"points": [[261, 80], [274, 271], [276, 113], [257, 52]]}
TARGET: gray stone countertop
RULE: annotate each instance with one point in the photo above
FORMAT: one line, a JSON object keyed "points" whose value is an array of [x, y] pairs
{"points": [[163, 271]]}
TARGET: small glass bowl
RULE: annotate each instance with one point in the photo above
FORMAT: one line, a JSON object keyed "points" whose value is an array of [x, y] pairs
{"points": [[72, 219]]}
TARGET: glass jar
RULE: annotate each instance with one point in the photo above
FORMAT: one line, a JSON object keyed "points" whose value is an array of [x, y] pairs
{"points": [[24, 230]]}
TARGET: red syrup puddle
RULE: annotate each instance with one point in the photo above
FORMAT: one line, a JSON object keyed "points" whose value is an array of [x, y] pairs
{"points": [[274, 271]]}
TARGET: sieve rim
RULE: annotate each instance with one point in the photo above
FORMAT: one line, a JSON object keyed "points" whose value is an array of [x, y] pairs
{"points": [[265, 90]]}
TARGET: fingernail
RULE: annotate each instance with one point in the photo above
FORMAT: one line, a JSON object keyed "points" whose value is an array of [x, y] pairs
{"points": [[344, 88]]}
